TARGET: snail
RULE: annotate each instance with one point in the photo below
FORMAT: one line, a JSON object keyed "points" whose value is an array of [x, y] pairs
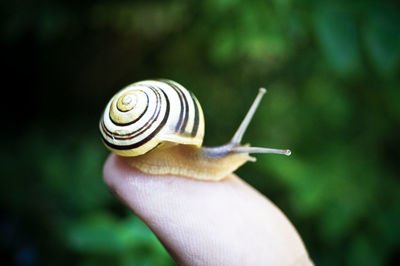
{"points": [[158, 125]]}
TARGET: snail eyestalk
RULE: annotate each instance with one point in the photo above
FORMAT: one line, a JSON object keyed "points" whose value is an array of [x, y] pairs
{"points": [[237, 138], [244, 149]]}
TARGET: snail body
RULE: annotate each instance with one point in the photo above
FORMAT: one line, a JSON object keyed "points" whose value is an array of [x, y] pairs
{"points": [[158, 125]]}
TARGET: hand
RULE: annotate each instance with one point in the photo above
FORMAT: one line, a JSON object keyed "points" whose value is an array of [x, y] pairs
{"points": [[208, 223]]}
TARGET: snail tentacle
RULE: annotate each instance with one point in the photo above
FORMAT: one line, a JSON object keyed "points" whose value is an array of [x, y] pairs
{"points": [[237, 137], [236, 147]]}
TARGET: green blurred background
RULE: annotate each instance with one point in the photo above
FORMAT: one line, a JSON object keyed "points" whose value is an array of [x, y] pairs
{"points": [[332, 71]]}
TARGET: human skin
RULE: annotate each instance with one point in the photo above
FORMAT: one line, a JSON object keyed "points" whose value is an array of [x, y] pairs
{"points": [[208, 223]]}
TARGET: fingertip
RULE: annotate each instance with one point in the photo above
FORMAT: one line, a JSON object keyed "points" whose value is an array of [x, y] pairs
{"points": [[116, 172], [110, 170]]}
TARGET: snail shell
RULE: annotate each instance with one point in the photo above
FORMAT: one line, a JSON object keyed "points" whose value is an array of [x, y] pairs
{"points": [[150, 113]]}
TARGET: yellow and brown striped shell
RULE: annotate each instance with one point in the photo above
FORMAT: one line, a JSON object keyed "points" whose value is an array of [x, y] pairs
{"points": [[148, 113]]}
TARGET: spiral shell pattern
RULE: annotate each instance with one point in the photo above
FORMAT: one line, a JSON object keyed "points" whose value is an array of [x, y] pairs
{"points": [[146, 114]]}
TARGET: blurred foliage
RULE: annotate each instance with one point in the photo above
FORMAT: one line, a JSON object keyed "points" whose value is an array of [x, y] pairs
{"points": [[332, 70]]}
